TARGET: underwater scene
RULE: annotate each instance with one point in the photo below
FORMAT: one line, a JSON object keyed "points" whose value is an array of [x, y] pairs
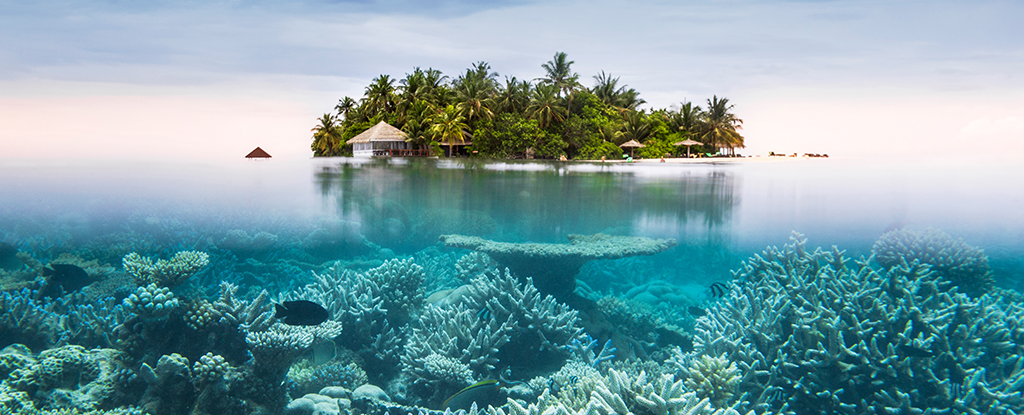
{"points": [[416, 286]]}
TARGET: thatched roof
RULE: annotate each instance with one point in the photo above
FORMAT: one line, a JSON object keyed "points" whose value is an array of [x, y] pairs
{"points": [[257, 153], [380, 132], [632, 143]]}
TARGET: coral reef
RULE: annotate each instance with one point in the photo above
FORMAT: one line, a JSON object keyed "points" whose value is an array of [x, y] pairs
{"points": [[68, 377], [151, 302], [811, 334], [165, 273], [553, 267], [497, 323], [963, 265]]}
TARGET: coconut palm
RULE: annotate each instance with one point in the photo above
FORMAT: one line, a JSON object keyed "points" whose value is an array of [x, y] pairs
{"points": [[380, 96], [514, 96], [545, 106], [636, 126], [448, 127], [718, 125], [326, 136], [560, 74], [346, 106], [475, 92]]}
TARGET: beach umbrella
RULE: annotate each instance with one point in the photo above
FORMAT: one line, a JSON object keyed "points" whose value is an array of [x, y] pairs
{"points": [[631, 144], [688, 142]]}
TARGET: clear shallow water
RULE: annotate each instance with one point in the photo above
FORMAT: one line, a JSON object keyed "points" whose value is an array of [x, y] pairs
{"points": [[719, 213], [273, 224]]}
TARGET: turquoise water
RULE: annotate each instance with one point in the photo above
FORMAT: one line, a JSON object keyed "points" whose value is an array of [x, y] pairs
{"points": [[355, 215]]}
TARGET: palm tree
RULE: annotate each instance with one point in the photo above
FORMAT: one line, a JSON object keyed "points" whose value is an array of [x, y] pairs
{"points": [[475, 91], [606, 88], [346, 106], [559, 74], [326, 136], [514, 97], [544, 105], [380, 96], [449, 127], [719, 125], [636, 127]]}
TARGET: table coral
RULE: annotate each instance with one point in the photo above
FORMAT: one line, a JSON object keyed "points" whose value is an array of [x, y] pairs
{"points": [[165, 273], [553, 267]]}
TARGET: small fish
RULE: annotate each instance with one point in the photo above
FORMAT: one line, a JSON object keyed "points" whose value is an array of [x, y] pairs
{"points": [[696, 311], [64, 279], [300, 313], [484, 393], [484, 313], [718, 289]]}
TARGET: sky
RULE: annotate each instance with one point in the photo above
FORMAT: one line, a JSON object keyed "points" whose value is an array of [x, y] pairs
{"points": [[210, 80]]}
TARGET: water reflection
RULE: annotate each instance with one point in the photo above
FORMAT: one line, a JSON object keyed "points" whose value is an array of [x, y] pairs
{"points": [[408, 203]]}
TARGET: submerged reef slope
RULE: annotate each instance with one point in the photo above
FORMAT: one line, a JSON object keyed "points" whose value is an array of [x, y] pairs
{"points": [[813, 333], [952, 260], [553, 267]]}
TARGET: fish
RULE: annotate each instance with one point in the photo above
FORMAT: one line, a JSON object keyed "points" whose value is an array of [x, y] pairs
{"points": [[300, 313], [718, 289], [9, 256], [64, 279], [484, 313], [696, 311], [485, 392]]}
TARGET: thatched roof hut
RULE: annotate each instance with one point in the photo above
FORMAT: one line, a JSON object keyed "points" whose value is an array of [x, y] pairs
{"points": [[257, 153], [382, 136]]}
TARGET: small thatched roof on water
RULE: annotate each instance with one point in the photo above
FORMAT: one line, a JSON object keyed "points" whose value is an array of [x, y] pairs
{"points": [[257, 153], [380, 132]]}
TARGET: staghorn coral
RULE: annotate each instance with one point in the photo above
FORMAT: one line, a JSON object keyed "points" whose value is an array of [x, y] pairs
{"points": [[357, 302], [400, 284], [474, 264], [553, 267], [497, 323], [714, 378], [165, 273], [811, 334], [963, 265], [617, 393], [24, 320]]}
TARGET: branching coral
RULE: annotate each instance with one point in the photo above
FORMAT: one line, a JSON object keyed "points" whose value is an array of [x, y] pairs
{"points": [[151, 302], [715, 378], [617, 393], [499, 322], [951, 259], [165, 273], [811, 334]]}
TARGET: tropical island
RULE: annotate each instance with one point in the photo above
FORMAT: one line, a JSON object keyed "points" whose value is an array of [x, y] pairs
{"points": [[475, 114]]}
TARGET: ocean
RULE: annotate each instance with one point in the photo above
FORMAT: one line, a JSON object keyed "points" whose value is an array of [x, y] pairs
{"points": [[705, 278]]}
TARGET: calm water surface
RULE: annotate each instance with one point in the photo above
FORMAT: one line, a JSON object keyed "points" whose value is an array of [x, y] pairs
{"points": [[720, 213]]}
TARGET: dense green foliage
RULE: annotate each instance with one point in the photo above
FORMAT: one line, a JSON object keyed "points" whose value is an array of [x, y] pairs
{"points": [[546, 118]]}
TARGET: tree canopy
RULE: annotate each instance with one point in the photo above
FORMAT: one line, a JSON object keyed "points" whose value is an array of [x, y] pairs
{"points": [[549, 117]]}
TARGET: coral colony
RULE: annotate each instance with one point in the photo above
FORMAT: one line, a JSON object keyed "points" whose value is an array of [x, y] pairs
{"points": [[498, 328]]}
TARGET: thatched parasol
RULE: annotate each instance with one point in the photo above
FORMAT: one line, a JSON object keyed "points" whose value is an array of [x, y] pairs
{"points": [[688, 142], [631, 144], [380, 132]]}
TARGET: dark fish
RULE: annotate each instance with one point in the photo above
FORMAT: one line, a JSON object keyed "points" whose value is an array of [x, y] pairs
{"points": [[696, 311], [484, 313], [484, 393], [64, 278], [300, 313], [9, 256], [718, 289]]}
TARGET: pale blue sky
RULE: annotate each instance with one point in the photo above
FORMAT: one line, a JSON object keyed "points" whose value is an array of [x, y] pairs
{"points": [[806, 76]]}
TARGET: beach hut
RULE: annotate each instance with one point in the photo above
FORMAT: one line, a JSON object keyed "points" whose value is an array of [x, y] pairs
{"points": [[631, 144], [257, 153], [380, 140]]}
